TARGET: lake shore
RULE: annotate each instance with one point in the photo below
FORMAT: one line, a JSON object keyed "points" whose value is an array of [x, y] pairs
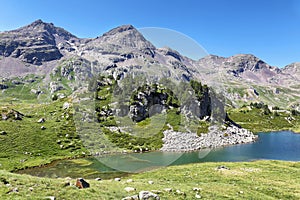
{"points": [[187, 141]]}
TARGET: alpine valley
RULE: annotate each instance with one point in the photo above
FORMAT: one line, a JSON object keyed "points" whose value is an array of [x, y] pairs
{"points": [[68, 97]]}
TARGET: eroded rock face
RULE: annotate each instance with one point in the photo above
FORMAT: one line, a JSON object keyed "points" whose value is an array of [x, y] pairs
{"points": [[34, 43]]}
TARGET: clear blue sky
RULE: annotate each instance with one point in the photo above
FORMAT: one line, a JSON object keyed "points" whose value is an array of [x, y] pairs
{"points": [[269, 29]]}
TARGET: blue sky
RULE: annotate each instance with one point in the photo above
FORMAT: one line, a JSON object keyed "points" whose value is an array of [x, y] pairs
{"points": [[269, 29]]}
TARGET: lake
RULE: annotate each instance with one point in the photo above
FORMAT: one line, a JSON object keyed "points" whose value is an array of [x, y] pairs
{"points": [[281, 145]]}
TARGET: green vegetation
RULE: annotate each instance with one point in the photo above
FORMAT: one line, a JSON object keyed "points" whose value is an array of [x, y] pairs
{"points": [[26, 144], [257, 117], [251, 180]]}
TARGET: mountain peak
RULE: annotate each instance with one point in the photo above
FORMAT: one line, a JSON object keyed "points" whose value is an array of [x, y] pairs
{"points": [[123, 38], [120, 29], [38, 22]]}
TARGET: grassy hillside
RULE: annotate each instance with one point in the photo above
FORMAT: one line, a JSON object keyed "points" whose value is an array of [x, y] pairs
{"points": [[253, 180], [25, 143], [263, 119]]}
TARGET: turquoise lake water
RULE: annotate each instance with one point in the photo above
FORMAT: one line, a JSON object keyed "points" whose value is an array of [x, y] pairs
{"points": [[281, 145]]}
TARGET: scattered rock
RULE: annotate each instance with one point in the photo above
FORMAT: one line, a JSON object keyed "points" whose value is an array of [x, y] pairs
{"points": [[129, 181], [144, 195], [30, 189], [41, 120], [197, 196], [43, 127], [151, 182], [37, 92], [98, 179], [12, 114], [196, 189], [117, 179], [168, 189], [189, 141], [81, 183], [66, 106], [51, 198], [156, 191], [129, 189], [4, 181], [180, 192], [3, 133], [134, 197], [66, 184], [14, 190], [2, 86], [222, 167], [54, 87]]}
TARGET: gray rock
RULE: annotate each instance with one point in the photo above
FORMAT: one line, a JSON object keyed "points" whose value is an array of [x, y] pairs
{"points": [[134, 197], [144, 195], [129, 189], [41, 120], [54, 87], [66, 105], [151, 182], [3, 133], [117, 179], [37, 92], [168, 189], [222, 167], [2, 86], [51, 198]]}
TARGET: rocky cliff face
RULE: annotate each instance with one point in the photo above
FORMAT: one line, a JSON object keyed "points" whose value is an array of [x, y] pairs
{"points": [[35, 43], [150, 100]]}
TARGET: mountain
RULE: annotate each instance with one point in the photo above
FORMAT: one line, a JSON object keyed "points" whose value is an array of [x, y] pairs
{"points": [[35, 43], [44, 49]]}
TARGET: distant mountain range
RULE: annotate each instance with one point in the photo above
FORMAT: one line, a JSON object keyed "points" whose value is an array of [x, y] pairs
{"points": [[44, 49]]}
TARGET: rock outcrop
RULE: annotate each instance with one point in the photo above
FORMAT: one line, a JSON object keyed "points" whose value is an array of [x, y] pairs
{"points": [[150, 100]]}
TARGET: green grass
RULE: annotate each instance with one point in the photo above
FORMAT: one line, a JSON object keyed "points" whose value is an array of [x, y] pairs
{"points": [[255, 120], [26, 144], [250, 180]]}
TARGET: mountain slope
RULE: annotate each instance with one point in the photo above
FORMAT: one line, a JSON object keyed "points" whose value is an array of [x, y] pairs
{"points": [[41, 48]]}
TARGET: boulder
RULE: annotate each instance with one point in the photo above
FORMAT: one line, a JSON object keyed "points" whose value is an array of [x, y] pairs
{"points": [[129, 189], [144, 195], [41, 120], [51, 197], [222, 167], [3, 133], [168, 189], [134, 197], [81, 183], [34, 91], [54, 87], [2, 86], [66, 106]]}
